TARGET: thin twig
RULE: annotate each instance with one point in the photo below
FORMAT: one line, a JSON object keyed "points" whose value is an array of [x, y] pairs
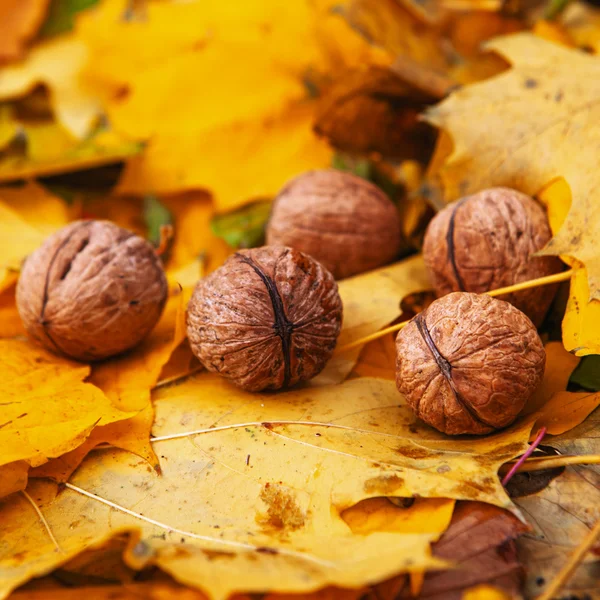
{"points": [[530, 451], [42, 519], [206, 538], [517, 287], [573, 562], [541, 463]]}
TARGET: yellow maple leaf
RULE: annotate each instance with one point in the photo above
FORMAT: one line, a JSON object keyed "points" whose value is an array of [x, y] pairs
{"points": [[527, 127], [277, 528], [230, 110], [46, 408]]}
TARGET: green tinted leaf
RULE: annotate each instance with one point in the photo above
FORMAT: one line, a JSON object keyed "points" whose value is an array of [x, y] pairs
{"points": [[587, 373], [243, 228], [155, 216], [61, 15]]}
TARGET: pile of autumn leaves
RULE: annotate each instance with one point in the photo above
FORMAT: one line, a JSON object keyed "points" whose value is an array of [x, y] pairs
{"points": [[209, 108]]}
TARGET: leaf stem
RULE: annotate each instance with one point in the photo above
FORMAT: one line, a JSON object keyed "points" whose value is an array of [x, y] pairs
{"points": [[541, 463], [573, 562], [42, 519], [517, 287], [530, 451]]}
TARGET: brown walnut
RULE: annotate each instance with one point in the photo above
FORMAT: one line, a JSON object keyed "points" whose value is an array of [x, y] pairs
{"points": [[267, 319], [487, 241], [345, 222], [92, 290], [469, 363]]}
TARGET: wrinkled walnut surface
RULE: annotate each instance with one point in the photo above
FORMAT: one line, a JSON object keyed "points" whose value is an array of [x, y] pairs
{"points": [[469, 363], [267, 319], [487, 241], [345, 222], [92, 290]]}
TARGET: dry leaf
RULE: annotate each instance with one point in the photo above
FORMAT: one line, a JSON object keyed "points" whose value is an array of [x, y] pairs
{"points": [[559, 366], [579, 330], [46, 409], [371, 301], [373, 110], [56, 63], [561, 515], [19, 22], [494, 145], [192, 121], [237, 474], [10, 321]]}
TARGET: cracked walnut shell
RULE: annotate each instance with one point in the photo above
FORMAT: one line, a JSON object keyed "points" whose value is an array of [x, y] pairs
{"points": [[469, 363], [267, 319], [486, 241], [92, 290], [345, 222]]}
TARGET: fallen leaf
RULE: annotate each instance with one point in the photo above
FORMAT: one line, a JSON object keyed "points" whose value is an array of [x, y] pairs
{"points": [[372, 110], [485, 592], [19, 22], [50, 150], [56, 63], [286, 48], [481, 543], [13, 477], [494, 145], [480, 548], [579, 331], [560, 364], [237, 474], [371, 301], [10, 321], [567, 410], [377, 359], [27, 215], [192, 213], [165, 165], [46, 408], [36, 205], [561, 515]]}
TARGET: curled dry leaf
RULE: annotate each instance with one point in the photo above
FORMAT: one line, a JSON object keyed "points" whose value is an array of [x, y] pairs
{"points": [[237, 502], [551, 84]]}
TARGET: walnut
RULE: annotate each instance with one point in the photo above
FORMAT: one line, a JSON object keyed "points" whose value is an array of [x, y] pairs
{"points": [[469, 363], [346, 223], [91, 290], [267, 319], [487, 241]]}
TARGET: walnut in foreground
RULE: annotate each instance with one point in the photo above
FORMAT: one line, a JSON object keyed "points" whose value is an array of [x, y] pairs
{"points": [[267, 319], [487, 241], [345, 222], [92, 290], [469, 363]]}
